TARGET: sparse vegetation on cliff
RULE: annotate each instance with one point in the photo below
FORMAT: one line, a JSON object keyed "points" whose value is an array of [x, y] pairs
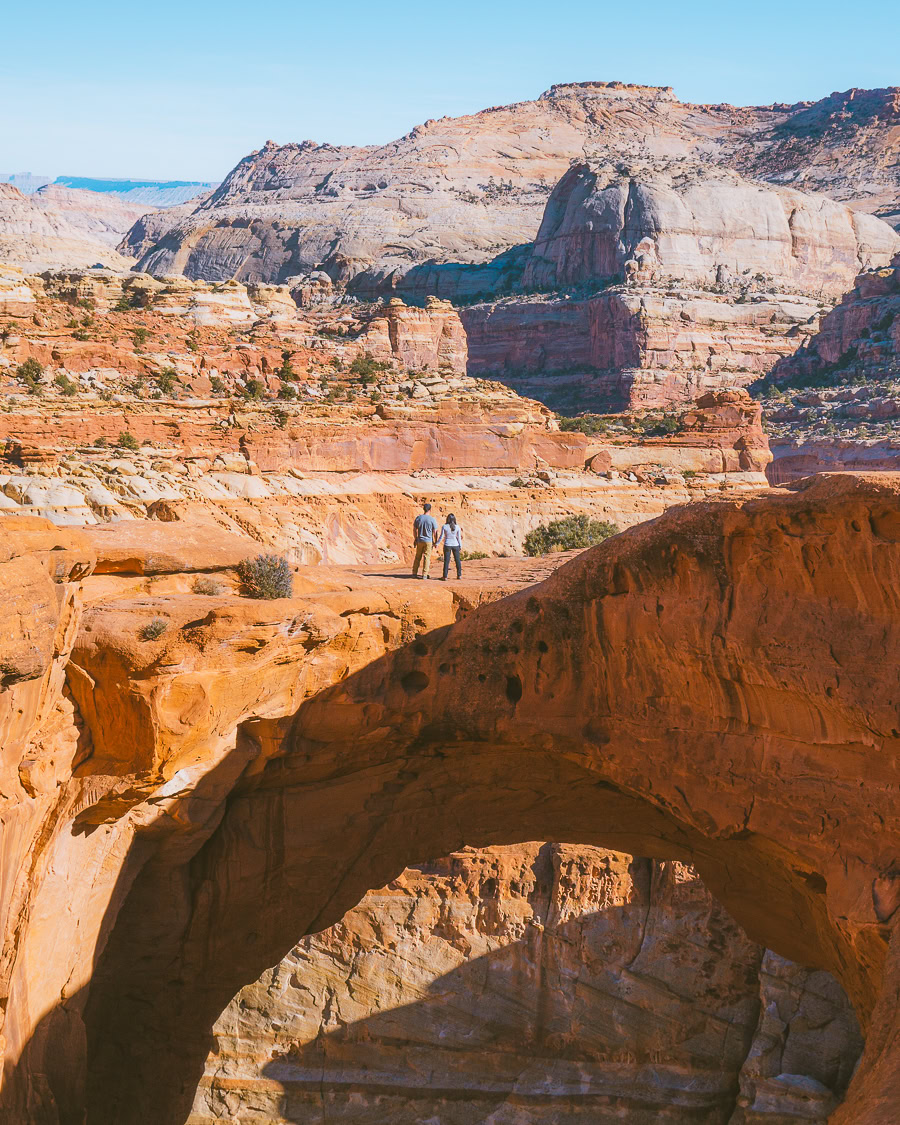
{"points": [[126, 440], [568, 534], [154, 629], [30, 373], [266, 576], [206, 585]]}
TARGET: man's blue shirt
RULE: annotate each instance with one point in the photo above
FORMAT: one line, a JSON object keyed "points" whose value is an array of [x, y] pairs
{"points": [[424, 528]]}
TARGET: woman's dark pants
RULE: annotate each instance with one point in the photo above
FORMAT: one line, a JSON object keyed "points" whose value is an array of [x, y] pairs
{"points": [[454, 551]]}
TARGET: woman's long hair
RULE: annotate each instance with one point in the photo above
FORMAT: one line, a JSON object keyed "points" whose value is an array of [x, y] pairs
{"points": [[451, 519]]}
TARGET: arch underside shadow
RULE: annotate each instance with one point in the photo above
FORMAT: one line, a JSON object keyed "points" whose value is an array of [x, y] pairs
{"points": [[719, 687]]}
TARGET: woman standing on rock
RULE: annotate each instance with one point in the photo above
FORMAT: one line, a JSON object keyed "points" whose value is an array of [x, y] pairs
{"points": [[451, 537]]}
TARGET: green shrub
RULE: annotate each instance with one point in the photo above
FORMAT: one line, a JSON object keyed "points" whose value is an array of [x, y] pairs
{"points": [[30, 373], [253, 390], [129, 301], [518, 482], [584, 424], [167, 380], [266, 576], [139, 336], [206, 585], [467, 556], [366, 367], [660, 427], [568, 534], [281, 418], [217, 385], [287, 392], [154, 629], [65, 384], [125, 440], [101, 443], [286, 371]]}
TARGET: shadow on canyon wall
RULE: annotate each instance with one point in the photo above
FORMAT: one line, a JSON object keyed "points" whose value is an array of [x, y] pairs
{"points": [[649, 1008]]}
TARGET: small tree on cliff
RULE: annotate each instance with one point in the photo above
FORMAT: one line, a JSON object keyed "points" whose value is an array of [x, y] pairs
{"points": [[568, 534], [266, 576]]}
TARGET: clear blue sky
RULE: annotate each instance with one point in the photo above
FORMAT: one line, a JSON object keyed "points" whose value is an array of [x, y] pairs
{"points": [[182, 90]]}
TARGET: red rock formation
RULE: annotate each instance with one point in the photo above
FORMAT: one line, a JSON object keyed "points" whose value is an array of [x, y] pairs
{"points": [[860, 338], [542, 982], [418, 338], [632, 349], [203, 797]]}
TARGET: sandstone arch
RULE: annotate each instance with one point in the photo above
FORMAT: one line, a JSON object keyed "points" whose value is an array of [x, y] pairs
{"points": [[720, 686]]}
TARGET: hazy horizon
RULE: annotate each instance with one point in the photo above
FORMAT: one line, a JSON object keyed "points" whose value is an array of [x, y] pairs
{"points": [[183, 93]]}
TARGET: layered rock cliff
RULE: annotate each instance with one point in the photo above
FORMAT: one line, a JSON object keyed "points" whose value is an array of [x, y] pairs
{"points": [[60, 228], [455, 191], [707, 281], [699, 224], [834, 404], [318, 431], [538, 983]]}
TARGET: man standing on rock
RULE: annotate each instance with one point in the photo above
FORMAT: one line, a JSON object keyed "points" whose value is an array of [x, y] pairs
{"points": [[424, 533]]}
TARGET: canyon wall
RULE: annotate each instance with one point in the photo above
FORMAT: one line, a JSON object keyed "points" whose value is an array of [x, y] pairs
{"points": [[699, 224], [719, 279], [457, 191], [59, 228], [834, 404], [537, 983]]}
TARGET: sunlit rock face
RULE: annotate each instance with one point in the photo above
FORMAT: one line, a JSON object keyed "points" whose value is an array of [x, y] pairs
{"points": [[539, 983], [441, 203]]}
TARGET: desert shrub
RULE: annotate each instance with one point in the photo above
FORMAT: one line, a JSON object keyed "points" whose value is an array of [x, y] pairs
{"points": [[125, 440], [660, 427], [206, 585], [280, 417], [30, 373], [568, 534], [287, 392], [467, 556], [584, 424], [129, 301], [101, 443], [139, 336], [253, 390], [65, 384], [216, 384], [266, 576], [81, 334], [518, 482], [366, 367], [167, 380], [286, 371], [154, 629]]}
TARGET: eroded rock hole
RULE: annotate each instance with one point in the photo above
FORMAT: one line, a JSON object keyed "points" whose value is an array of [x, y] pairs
{"points": [[414, 682], [420, 648], [513, 689]]}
